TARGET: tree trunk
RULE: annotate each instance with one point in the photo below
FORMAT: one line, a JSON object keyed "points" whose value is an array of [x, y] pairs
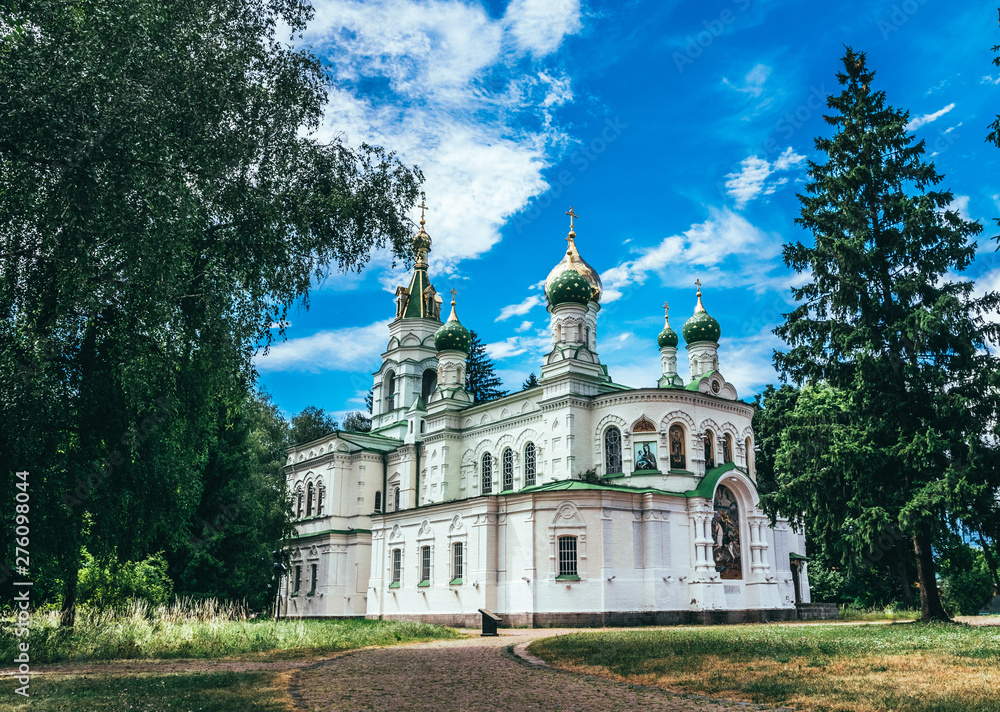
{"points": [[931, 608], [67, 618]]}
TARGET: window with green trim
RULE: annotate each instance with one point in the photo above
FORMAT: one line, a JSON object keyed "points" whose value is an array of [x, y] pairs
{"points": [[314, 576], [567, 556], [507, 466], [425, 564], [298, 579], [397, 565], [529, 465], [457, 560]]}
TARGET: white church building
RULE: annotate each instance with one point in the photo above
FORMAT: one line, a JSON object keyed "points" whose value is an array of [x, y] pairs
{"points": [[579, 502]]}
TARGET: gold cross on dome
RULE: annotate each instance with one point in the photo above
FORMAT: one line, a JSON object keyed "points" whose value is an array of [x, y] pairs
{"points": [[698, 282], [666, 310], [422, 207], [572, 215], [454, 292]]}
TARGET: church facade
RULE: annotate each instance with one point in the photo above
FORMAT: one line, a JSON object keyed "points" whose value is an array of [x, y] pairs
{"points": [[576, 502]]}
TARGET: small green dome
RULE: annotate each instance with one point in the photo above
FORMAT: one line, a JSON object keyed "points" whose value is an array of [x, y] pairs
{"points": [[701, 327], [667, 337], [452, 336], [568, 287]]}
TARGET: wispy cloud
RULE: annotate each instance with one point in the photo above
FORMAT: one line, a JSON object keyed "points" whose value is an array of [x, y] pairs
{"points": [[350, 349], [753, 82], [520, 309], [703, 249], [917, 121], [467, 97], [537, 343], [754, 176]]}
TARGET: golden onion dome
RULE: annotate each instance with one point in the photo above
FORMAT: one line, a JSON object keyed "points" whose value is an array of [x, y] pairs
{"points": [[572, 261]]}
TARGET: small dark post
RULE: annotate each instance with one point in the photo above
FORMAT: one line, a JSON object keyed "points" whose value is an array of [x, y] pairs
{"points": [[490, 620]]}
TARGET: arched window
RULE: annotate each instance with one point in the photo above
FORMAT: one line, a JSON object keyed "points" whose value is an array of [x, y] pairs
{"points": [[310, 494], [678, 460], [395, 500], [709, 450], [726, 535], [612, 451], [389, 390], [507, 461], [487, 473], [320, 499], [748, 454], [378, 501], [429, 384], [529, 464], [727, 448], [299, 502], [397, 566]]}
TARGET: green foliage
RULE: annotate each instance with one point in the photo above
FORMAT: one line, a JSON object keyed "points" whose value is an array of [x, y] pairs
{"points": [[480, 374], [163, 201], [966, 581], [530, 382], [825, 585], [113, 583], [902, 389], [357, 422], [202, 629], [310, 424], [773, 407]]}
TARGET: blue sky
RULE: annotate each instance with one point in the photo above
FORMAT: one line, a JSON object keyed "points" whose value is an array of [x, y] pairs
{"points": [[678, 131]]}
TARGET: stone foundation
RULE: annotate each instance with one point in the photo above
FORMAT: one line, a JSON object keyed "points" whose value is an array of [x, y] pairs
{"points": [[615, 619], [817, 611]]}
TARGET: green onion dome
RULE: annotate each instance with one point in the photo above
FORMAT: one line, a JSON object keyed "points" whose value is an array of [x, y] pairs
{"points": [[701, 327], [667, 337], [568, 287], [572, 260], [452, 336]]}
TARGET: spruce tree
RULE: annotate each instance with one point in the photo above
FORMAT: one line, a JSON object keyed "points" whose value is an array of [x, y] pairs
{"points": [[530, 382], [890, 346], [481, 379]]}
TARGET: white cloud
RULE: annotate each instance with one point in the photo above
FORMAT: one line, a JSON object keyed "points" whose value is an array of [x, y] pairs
{"points": [[539, 26], [702, 250], [538, 343], [525, 325], [355, 348], [917, 121], [987, 79], [960, 205], [753, 178], [519, 309], [753, 82], [467, 97]]}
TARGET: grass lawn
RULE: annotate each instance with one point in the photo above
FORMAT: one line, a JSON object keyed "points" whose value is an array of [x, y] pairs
{"points": [[907, 667], [190, 692]]}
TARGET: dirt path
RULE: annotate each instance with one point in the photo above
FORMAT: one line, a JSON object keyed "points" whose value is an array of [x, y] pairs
{"points": [[474, 674]]}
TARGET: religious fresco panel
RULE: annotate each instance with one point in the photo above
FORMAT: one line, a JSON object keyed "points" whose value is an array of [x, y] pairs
{"points": [[726, 533]]}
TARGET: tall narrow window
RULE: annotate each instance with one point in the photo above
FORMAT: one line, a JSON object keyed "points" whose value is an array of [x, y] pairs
{"points": [[395, 500], [457, 561], [320, 498], [300, 501], [310, 495], [678, 461], [397, 565], [428, 384], [313, 578], [529, 464], [389, 388], [425, 564], [487, 473], [378, 501], [709, 451], [298, 578], [727, 448], [612, 451], [748, 453], [567, 556], [507, 461]]}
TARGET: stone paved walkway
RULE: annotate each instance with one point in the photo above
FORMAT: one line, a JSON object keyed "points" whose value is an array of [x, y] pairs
{"points": [[473, 674]]}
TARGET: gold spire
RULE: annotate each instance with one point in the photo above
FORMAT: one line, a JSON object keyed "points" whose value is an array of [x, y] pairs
{"points": [[422, 209], [699, 307], [666, 315], [454, 316], [422, 239]]}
